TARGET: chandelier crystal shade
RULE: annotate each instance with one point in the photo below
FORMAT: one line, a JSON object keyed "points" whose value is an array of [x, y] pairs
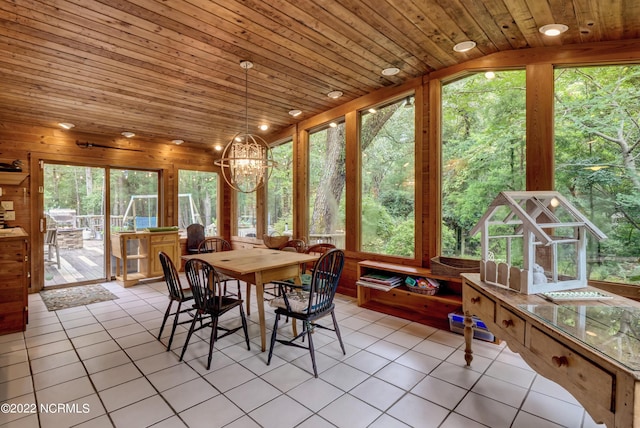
{"points": [[246, 161]]}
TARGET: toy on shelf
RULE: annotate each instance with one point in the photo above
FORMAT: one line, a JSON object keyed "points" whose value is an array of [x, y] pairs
{"points": [[534, 242]]}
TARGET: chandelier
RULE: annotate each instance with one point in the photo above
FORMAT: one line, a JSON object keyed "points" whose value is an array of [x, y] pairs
{"points": [[246, 160]]}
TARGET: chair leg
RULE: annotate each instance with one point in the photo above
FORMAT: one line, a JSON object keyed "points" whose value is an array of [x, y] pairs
{"points": [[244, 325], [212, 339], [311, 348], [175, 324], [337, 329], [273, 338], [164, 320], [186, 342]]}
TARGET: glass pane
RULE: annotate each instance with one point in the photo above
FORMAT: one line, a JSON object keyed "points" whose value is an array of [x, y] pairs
{"points": [[246, 214], [596, 152], [198, 200], [387, 142], [134, 199], [326, 185], [280, 191], [483, 152], [74, 212]]}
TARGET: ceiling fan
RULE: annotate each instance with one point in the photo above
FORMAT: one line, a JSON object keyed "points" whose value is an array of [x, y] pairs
{"points": [[88, 145]]}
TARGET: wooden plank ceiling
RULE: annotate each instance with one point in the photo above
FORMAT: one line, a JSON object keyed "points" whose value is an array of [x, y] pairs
{"points": [[170, 69]]}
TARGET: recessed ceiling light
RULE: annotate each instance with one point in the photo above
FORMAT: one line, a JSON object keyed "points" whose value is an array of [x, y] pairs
{"points": [[464, 46], [128, 134], [264, 127], [391, 71], [553, 29], [177, 142], [66, 125], [335, 94], [218, 147], [295, 112]]}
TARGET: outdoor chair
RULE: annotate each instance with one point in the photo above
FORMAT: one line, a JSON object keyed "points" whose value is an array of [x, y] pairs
{"points": [[51, 241], [310, 306], [176, 294], [195, 235], [210, 301], [297, 245]]}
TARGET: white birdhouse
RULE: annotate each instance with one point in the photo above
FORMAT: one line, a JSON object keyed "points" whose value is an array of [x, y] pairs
{"points": [[534, 242]]}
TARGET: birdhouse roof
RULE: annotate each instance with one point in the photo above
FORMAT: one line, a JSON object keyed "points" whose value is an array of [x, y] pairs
{"points": [[538, 211]]}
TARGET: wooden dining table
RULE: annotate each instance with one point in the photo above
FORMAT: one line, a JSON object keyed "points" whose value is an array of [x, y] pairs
{"points": [[257, 266]]}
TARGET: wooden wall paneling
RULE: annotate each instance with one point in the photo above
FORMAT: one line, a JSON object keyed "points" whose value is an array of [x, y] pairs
{"points": [[432, 169], [301, 184], [353, 186], [420, 124], [539, 147]]}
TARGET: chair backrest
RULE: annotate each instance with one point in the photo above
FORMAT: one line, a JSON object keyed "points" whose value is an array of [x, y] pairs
{"points": [[171, 276], [203, 281], [195, 235], [51, 237], [212, 245], [297, 245], [318, 249], [324, 281]]}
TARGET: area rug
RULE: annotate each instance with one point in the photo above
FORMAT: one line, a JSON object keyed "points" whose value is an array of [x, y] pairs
{"points": [[63, 298]]}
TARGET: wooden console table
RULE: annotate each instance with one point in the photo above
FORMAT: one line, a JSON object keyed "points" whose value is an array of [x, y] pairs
{"points": [[589, 347]]}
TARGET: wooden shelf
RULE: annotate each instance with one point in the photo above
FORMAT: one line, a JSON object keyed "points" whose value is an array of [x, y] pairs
{"points": [[400, 302], [12, 178]]}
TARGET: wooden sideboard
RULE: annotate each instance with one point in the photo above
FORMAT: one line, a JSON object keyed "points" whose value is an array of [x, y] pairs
{"points": [[589, 347], [14, 280], [136, 254]]}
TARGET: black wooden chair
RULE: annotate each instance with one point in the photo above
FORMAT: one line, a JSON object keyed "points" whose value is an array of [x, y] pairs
{"points": [[210, 301], [310, 306], [195, 235], [176, 294], [213, 245]]}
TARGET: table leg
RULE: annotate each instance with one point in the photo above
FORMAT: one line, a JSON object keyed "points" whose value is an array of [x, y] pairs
{"points": [[260, 302], [468, 338]]}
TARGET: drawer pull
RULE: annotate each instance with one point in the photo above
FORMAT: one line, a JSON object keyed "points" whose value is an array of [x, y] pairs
{"points": [[560, 361], [507, 323], [475, 300]]}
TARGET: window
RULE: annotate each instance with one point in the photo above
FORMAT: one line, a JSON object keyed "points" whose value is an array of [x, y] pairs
{"points": [[326, 184], [198, 200], [280, 190], [596, 152], [387, 144], [483, 151], [246, 220], [134, 199]]}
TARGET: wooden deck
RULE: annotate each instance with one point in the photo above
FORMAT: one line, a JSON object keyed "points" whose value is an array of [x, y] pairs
{"points": [[76, 265]]}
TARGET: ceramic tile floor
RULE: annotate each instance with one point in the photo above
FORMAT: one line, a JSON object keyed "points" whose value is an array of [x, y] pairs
{"points": [[102, 366]]}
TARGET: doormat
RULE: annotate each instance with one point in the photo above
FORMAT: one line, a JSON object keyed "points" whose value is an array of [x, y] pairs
{"points": [[63, 298]]}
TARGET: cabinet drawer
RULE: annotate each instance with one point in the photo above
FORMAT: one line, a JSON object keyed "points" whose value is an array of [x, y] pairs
{"points": [[155, 239], [478, 304], [510, 323], [582, 373]]}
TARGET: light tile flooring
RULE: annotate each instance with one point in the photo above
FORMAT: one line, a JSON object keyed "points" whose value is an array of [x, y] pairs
{"points": [[101, 366]]}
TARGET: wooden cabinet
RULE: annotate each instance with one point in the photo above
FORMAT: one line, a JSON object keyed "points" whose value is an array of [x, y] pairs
{"points": [[14, 277], [136, 254], [400, 302], [583, 345]]}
